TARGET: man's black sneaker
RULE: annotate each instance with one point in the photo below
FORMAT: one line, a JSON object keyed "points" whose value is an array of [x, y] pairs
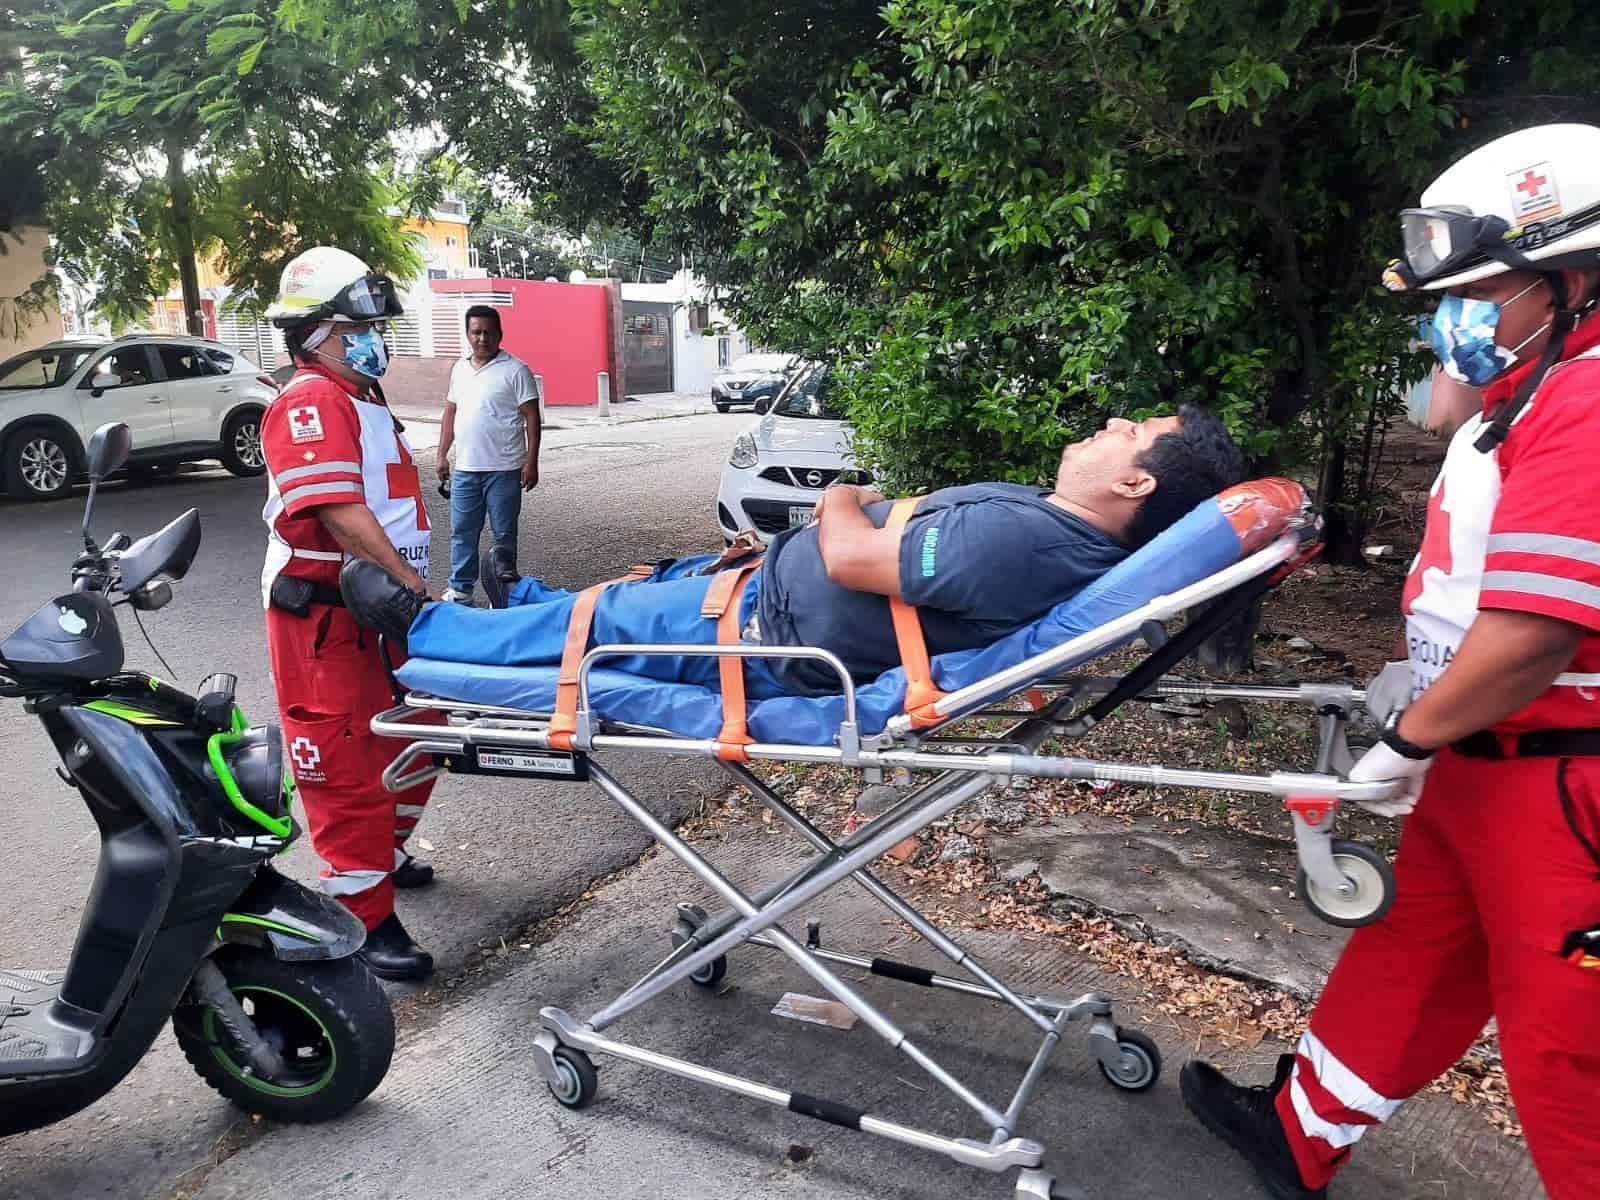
{"points": [[497, 574], [379, 601], [1246, 1118], [391, 954], [412, 874]]}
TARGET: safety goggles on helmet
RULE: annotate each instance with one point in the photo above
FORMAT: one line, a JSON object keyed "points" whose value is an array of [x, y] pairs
{"points": [[1440, 241], [370, 298]]}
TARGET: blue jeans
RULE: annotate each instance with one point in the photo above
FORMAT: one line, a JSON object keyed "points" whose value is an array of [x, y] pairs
{"points": [[471, 494], [533, 630]]}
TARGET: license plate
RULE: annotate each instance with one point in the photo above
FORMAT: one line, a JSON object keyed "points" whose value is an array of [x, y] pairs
{"points": [[799, 514]]}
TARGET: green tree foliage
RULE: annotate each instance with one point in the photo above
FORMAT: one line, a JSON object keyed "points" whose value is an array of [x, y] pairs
{"points": [[1006, 219], [179, 127], [1009, 218]]}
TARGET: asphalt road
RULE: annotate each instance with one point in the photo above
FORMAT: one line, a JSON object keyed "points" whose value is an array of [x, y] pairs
{"points": [[506, 852]]}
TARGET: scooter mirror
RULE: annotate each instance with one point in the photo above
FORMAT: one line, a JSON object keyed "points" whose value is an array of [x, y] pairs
{"points": [[108, 450]]}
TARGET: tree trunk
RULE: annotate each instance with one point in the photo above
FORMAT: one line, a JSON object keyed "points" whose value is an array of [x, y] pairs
{"points": [[1341, 528], [183, 234]]}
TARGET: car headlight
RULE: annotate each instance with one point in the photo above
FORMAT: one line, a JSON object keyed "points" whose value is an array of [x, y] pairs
{"points": [[744, 453]]}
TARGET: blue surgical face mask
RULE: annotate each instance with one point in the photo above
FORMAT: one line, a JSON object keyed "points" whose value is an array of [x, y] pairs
{"points": [[1463, 338], [365, 351]]}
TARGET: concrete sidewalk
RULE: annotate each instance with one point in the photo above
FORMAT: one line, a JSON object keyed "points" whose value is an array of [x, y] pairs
{"points": [[464, 1113], [1226, 899]]}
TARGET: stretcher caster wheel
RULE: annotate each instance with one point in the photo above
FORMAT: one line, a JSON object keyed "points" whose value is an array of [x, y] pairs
{"points": [[711, 974], [577, 1082], [691, 917], [1372, 887], [1141, 1062]]}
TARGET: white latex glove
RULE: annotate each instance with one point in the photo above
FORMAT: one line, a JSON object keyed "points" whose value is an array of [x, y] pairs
{"points": [[1388, 690], [1383, 763]]}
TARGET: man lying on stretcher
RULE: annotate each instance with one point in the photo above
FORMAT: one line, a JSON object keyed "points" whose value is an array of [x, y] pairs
{"points": [[977, 562]]}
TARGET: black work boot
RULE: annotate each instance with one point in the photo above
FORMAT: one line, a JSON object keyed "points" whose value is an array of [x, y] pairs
{"points": [[1246, 1118], [379, 601], [497, 574], [391, 954], [412, 873]]}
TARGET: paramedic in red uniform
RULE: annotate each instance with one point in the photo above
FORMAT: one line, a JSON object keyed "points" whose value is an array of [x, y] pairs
{"points": [[341, 484], [1498, 874]]}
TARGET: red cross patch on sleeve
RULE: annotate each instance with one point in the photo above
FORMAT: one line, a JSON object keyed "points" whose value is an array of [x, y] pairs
{"points": [[305, 424]]}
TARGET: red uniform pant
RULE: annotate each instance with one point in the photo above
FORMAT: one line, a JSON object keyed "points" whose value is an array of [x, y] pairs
{"points": [[1490, 880], [330, 685]]}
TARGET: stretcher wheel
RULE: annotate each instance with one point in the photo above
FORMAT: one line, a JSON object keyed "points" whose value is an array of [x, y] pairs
{"points": [[1141, 1062], [1374, 887], [691, 918], [578, 1081], [711, 974]]}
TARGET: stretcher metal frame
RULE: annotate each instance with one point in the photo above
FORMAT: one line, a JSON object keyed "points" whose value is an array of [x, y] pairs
{"points": [[963, 767]]}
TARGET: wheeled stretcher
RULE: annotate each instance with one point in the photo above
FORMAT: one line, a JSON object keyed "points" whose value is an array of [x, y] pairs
{"points": [[547, 722]]}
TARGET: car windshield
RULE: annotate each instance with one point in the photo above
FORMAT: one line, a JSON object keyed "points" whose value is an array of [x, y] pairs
{"points": [[50, 367], [809, 395], [749, 363]]}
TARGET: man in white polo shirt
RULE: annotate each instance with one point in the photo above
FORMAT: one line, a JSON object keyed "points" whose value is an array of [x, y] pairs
{"points": [[491, 418]]}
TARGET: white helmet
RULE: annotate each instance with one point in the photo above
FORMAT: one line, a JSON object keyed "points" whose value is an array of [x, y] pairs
{"points": [[1527, 201], [328, 284]]}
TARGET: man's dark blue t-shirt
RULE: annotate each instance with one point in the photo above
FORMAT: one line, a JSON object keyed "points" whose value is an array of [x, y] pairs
{"points": [[977, 561]]}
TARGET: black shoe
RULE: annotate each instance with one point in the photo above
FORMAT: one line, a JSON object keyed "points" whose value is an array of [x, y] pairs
{"points": [[497, 574], [412, 874], [391, 954], [1245, 1118], [379, 601]]}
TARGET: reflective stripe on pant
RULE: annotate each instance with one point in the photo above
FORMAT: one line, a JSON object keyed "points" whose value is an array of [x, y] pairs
{"points": [[1490, 880], [330, 685]]}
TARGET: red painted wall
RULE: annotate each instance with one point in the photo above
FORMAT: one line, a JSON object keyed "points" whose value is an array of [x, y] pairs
{"points": [[559, 329]]}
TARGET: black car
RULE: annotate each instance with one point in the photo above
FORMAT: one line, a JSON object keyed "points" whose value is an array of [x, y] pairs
{"points": [[751, 378]]}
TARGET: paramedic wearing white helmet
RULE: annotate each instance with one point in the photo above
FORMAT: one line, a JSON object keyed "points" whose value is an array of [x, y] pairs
{"points": [[341, 485], [1497, 910]]}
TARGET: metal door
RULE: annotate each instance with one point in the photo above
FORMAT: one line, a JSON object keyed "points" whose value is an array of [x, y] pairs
{"points": [[647, 347]]}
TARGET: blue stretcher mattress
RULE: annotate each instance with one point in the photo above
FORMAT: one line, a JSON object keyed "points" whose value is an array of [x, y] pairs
{"points": [[1214, 535]]}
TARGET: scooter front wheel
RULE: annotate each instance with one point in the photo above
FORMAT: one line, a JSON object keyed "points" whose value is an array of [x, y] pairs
{"points": [[329, 1023]]}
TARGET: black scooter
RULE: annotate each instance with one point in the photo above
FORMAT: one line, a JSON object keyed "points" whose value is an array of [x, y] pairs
{"points": [[186, 919]]}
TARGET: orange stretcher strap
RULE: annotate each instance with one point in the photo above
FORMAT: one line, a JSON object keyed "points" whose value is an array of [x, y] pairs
{"points": [[723, 588], [722, 603], [564, 722], [921, 693]]}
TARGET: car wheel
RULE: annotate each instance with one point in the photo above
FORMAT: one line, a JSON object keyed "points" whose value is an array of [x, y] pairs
{"points": [[241, 444], [722, 408], [38, 464]]}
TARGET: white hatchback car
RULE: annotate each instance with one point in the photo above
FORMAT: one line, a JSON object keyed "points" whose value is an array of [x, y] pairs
{"points": [[183, 398], [781, 464]]}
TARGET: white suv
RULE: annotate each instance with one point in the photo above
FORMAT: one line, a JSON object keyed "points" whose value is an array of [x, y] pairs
{"points": [[184, 398]]}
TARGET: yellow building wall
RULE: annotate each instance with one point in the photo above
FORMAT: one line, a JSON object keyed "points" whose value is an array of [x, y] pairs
{"points": [[20, 265], [436, 237]]}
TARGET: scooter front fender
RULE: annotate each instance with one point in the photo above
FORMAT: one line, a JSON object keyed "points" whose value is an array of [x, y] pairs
{"points": [[289, 920]]}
